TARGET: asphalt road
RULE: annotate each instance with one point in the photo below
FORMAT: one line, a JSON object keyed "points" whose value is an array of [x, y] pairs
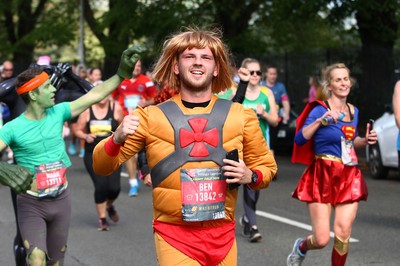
{"points": [[281, 220]]}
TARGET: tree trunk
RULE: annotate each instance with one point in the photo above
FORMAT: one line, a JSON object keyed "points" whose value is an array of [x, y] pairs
{"points": [[22, 57]]}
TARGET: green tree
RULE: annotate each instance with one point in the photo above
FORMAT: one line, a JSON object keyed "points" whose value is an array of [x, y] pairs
{"points": [[301, 25], [150, 22], [251, 28], [29, 25], [114, 28], [377, 27]]}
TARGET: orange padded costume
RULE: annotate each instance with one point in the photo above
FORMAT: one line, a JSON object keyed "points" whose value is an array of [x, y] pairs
{"points": [[155, 133]]}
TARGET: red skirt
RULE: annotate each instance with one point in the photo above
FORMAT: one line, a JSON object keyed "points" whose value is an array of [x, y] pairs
{"points": [[329, 181], [206, 245]]}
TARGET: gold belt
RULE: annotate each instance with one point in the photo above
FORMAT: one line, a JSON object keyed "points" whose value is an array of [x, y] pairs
{"points": [[328, 157]]}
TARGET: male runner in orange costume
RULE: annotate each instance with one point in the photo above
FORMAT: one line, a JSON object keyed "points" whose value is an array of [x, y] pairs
{"points": [[186, 140]]}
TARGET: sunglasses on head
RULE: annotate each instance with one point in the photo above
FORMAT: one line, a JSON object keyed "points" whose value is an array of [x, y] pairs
{"points": [[258, 72]]}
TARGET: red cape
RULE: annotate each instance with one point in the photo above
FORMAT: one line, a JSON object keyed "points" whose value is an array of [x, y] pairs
{"points": [[305, 153]]}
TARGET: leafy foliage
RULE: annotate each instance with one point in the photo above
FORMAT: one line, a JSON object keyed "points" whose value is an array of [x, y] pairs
{"points": [[251, 28]]}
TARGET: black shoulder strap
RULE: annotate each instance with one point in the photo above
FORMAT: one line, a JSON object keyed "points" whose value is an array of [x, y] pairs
{"points": [[91, 114], [351, 114], [327, 104]]}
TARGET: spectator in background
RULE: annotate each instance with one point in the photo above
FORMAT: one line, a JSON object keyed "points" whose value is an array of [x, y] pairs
{"points": [[315, 91], [262, 101], [279, 90], [94, 76], [95, 124], [6, 70], [138, 90], [281, 99], [80, 71], [396, 111], [312, 92]]}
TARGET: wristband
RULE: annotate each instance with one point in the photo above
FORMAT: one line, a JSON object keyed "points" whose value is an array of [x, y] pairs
{"points": [[112, 148], [259, 179]]}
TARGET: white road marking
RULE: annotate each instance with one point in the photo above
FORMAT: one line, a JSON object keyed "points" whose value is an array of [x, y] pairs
{"points": [[280, 219], [293, 223]]}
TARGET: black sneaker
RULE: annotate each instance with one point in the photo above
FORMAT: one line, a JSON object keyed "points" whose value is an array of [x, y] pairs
{"points": [[113, 214], [103, 225], [245, 225], [255, 236]]}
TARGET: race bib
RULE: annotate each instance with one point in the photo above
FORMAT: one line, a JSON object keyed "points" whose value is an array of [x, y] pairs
{"points": [[51, 179], [349, 156], [203, 194], [100, 128]]}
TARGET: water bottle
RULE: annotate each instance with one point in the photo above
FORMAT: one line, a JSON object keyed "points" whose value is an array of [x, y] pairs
{"points": [[329, 120]]}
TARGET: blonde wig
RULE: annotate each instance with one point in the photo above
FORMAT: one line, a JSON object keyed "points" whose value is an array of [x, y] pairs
{"points": [[191, 38]]}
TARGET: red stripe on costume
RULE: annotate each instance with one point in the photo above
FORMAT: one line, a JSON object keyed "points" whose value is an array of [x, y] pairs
{"points": [[259, 179], [111, 148]]}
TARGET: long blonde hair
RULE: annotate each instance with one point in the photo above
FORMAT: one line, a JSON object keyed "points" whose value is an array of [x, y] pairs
{"points": [[190, 38]]}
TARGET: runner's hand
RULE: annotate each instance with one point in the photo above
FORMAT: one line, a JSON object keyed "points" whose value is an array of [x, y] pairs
{"points": [[127, 127], [371, 137], [16, 177], [236, 172], [128, 61], [147, 180], [244, 74]]}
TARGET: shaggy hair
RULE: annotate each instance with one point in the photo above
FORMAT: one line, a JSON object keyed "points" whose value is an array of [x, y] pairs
{"points": [[188, 39]]}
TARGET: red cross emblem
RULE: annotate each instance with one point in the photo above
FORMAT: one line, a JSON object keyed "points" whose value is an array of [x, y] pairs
{"points": [[199, 137]]}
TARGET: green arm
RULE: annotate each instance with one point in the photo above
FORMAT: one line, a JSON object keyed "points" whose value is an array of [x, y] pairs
{"points": [[128, 60]]}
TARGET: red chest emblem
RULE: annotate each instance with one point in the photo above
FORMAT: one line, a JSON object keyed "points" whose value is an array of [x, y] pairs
{"points": [[349, 132], [199, 137]]}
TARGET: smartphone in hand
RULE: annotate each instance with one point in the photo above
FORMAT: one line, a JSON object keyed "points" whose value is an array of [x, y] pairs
{"points": [[371, 124], [233, 155]]}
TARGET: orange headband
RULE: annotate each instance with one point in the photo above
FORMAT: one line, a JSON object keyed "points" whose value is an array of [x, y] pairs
{"points": [[33, 83]]}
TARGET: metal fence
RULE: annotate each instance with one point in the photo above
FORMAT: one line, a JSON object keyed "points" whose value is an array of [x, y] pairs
{"points": [[295, 68]]}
